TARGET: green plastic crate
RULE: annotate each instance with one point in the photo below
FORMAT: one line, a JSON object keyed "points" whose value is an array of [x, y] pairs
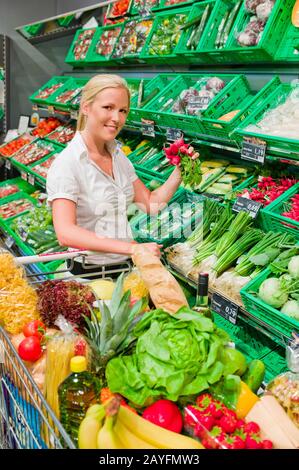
{"points": [[151, 89], [128, 39], [20, 183], [278, 222], [75, 84], [275, 363], [143, 233], [81, 61], [33, 29], [65, 20], [51, 146], [166, 4], [160, 107], [271, 37], [1, 112], [135, 10], [26, 135], [156, 161], [270, 316], [197, 11], [288, 49], [30, 168], [247, 339], [93, 57], [239, 97], [53, 81], [210, 36], [15, 197], [275, 144], [167, 58]]}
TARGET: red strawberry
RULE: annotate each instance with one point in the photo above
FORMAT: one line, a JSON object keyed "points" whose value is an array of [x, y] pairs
{"points": [[191, 415], [253, 441], [215, 409], [240, 424], [228, 423], [233, 442], [251, 428], [205, 422], [267, 444], [204, 400]]}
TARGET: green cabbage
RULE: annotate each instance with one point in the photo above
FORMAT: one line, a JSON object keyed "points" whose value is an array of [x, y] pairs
{"points": [[174, 356]]}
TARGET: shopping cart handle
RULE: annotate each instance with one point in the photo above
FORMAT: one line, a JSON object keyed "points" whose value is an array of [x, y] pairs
{"points": [[45, 257]]}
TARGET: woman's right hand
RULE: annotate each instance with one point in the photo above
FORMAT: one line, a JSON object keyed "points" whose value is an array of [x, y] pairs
{"points": [[153, 247]]}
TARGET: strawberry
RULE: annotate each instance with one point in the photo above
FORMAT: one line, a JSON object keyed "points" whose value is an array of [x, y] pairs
{"points": [[240, 424], [191, 415], [204, 400], [251, 428], [205, 423], [253, 441], [233, 442], [267, 444], [228, 423], [215, 409]]}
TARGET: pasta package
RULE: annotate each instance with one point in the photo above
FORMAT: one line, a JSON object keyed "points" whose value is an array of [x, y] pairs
{"points": [[164, 290]]}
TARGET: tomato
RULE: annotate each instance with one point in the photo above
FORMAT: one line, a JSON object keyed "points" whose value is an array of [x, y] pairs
{"points": [[30, 349], [34, 328]]}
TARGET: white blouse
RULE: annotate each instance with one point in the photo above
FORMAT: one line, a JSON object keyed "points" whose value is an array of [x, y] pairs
{"points": [[101, 201]]}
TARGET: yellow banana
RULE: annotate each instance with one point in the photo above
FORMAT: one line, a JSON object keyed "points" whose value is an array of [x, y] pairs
{"points": [[107, 439], [96, 410], [88, 432], [155, 435], [129, 439]]}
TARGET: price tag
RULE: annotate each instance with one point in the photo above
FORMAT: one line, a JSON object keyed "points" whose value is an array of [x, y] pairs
{"points": [[51, 109], [24, 175], [148, 128], [225, 308], [9, 241], [247, 205], [173, 134], [34, 107], [74, 114], [23, 234], [31, 179], [199, 102], [253, 149], [8, 164]]}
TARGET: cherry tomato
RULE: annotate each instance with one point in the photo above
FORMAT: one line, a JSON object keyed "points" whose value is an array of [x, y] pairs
{"points": [[30, 349], [34, 328]]}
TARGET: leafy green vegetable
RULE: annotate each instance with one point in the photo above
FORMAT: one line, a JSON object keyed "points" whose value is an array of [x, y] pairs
{"points": [[175, 356]]}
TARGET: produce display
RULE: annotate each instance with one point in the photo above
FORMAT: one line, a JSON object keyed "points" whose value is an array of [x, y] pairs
{"points": [[145, 4], [133, 37], [83, 43], [118, 8], [46, 126], [33, 152], [167, 35], [268, 189], [260, 12], [285, 388], [48, 91], [63, 134], [106, 42], [292, 208], [196, 28], [67, 96], [8, 189], [12, 208], [12, 147], [43, 168]]}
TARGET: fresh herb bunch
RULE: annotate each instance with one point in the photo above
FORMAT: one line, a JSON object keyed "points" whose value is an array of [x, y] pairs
{"points": [[182, 154]]}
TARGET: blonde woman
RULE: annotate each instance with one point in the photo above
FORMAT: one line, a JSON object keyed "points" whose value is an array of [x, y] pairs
{"points": [[91, 183]]}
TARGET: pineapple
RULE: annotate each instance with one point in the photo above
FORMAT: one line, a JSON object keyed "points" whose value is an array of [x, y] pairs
{"points": [[109, 335]]}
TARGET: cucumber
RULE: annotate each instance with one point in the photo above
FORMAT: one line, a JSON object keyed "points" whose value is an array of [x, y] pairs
{"points": [[199, 30], [254, 375]]}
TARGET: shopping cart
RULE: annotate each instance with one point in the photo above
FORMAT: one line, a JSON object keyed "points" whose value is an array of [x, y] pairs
{"points": [[26, 420]]}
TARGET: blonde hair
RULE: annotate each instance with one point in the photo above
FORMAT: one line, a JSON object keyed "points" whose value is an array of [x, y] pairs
{"points": [[93, 87]]}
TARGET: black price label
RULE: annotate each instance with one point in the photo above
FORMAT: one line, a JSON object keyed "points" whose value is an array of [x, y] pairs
{"points": [[254, 149], [224, 307], [9, 241], [199, 102], [24, 175], [148, 129], [8, 164], [173, 134], [247, 205], [31, 179]]}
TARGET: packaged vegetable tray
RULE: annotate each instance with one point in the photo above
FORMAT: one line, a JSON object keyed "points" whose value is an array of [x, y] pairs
{"points": [[49, 90], [9, 149], [13, 205], [67, 93], [163, 41], [103, 44], [132, 39], [13, 186], [275, 121], [77, 53], [33, 152]]}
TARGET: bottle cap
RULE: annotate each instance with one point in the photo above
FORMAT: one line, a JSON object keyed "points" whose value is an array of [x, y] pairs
{"points": [[78, 364]]}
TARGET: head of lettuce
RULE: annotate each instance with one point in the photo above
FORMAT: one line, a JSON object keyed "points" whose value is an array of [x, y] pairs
{"points": [[174, 356]]}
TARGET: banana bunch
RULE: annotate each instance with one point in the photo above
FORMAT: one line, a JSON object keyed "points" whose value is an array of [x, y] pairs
{"points": [[123, 429]]}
